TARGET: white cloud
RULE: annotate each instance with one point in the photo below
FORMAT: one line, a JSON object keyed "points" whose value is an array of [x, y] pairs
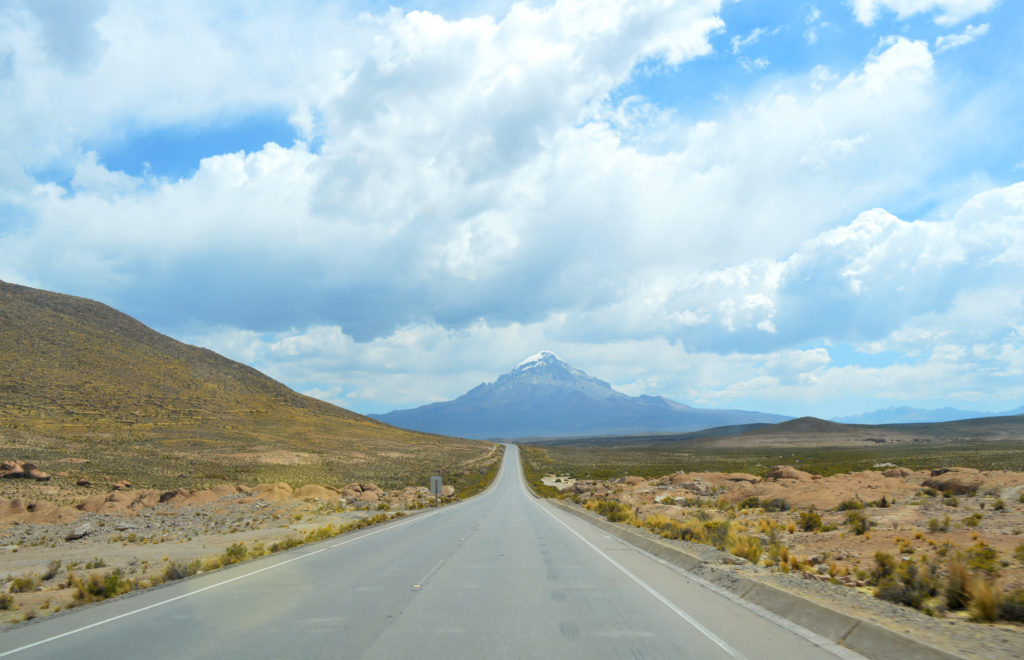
{"points": [[948, 12], [478, 192], [739, 43], [949, 41]]}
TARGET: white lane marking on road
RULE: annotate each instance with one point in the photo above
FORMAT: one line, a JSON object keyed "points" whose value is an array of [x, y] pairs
{"points": [[214, 586], [809, 635], [419, 585], [672, 606]]}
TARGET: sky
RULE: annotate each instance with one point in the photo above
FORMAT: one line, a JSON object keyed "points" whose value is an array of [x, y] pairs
{"points": [[809, 208]]}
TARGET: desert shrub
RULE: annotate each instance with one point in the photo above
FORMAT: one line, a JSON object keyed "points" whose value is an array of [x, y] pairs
{"points": [[668, 500], [936, 525], [6, 601], [1018, 553], [751, 502], [956, 586], [1020, 498], [748, 547], [177, 570], [999, 504], [1011, 606], [949, 499], [51, 570], [284, 544], [610, 509], [858, 522], [98, 587], [24, 583], [882, 503], [983, 557], [775, 504], [850, 505], [971, 520], [911, 583], [718, 533], [95, 562], [809, 520], [984, 602], [234, 553], [885, 566], [928, 491]]}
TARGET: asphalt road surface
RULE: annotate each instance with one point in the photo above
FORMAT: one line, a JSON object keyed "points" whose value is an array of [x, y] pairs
{"points": [[502, 575]]}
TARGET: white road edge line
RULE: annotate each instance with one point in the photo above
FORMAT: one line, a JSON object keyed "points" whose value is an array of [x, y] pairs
{"points": [[214, 586], [811, 636], [672, 606]]}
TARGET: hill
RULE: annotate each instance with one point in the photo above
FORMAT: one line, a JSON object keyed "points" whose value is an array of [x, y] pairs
{"points": [[88, 390], [546, 397]]}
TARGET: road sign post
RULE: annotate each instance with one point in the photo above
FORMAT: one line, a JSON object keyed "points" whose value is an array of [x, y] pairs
{"points": [[435, 488]]}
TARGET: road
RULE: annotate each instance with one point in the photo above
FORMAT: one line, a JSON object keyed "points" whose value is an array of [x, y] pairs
{"points": [[502, 575]]}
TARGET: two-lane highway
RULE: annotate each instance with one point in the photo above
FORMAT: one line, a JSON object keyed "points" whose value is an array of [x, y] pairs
{"points": [[500, 576]]}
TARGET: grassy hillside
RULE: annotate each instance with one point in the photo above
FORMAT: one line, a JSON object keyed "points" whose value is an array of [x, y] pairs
{"points": [[87, 390]]}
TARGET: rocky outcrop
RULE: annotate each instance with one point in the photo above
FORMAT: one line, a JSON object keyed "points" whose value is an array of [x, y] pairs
{"points": [[22, 470], [959, 481], [788, 472]]}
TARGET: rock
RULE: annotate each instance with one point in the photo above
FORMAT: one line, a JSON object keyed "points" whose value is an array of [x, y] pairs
{"points": [[22, 470], [897, 472], [823, 569], [678, 478], [696, 487], [371, 487], [368, 496], [632, 481], [960, 481], [169, 494], [741, 476], [79, 532], [447, 491], [787, 472], [815, 560], [83, 482], [120, 485]]}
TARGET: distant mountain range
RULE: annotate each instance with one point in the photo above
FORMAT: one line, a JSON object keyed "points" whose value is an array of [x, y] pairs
{"points": [[546, 397], [906, 415]]}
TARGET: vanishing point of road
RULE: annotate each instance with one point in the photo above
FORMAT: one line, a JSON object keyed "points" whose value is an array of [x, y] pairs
{"points": [[502, 575]]}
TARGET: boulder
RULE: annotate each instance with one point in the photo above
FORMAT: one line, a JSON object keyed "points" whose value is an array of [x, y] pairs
{"points": [[368, 496], [959, 481], [370, 487], [679, 478], [83, 482], [897, 472], [447, 491], [81, 531], [120, 485], [22, 470]]}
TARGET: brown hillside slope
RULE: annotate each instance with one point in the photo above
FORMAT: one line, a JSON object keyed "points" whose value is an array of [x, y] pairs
{"points": [[90, 391]]}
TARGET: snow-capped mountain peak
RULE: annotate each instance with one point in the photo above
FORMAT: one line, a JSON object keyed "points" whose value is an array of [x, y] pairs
{"points": [[544, 396], [538, 359]]}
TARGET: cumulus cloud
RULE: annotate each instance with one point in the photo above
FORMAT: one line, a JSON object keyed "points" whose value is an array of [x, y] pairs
{"points": [[938, 293], [470, 188], [948, 12]]}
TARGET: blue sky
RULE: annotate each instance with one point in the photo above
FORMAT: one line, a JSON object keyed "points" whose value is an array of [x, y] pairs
{"points": [[806, 208]]}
